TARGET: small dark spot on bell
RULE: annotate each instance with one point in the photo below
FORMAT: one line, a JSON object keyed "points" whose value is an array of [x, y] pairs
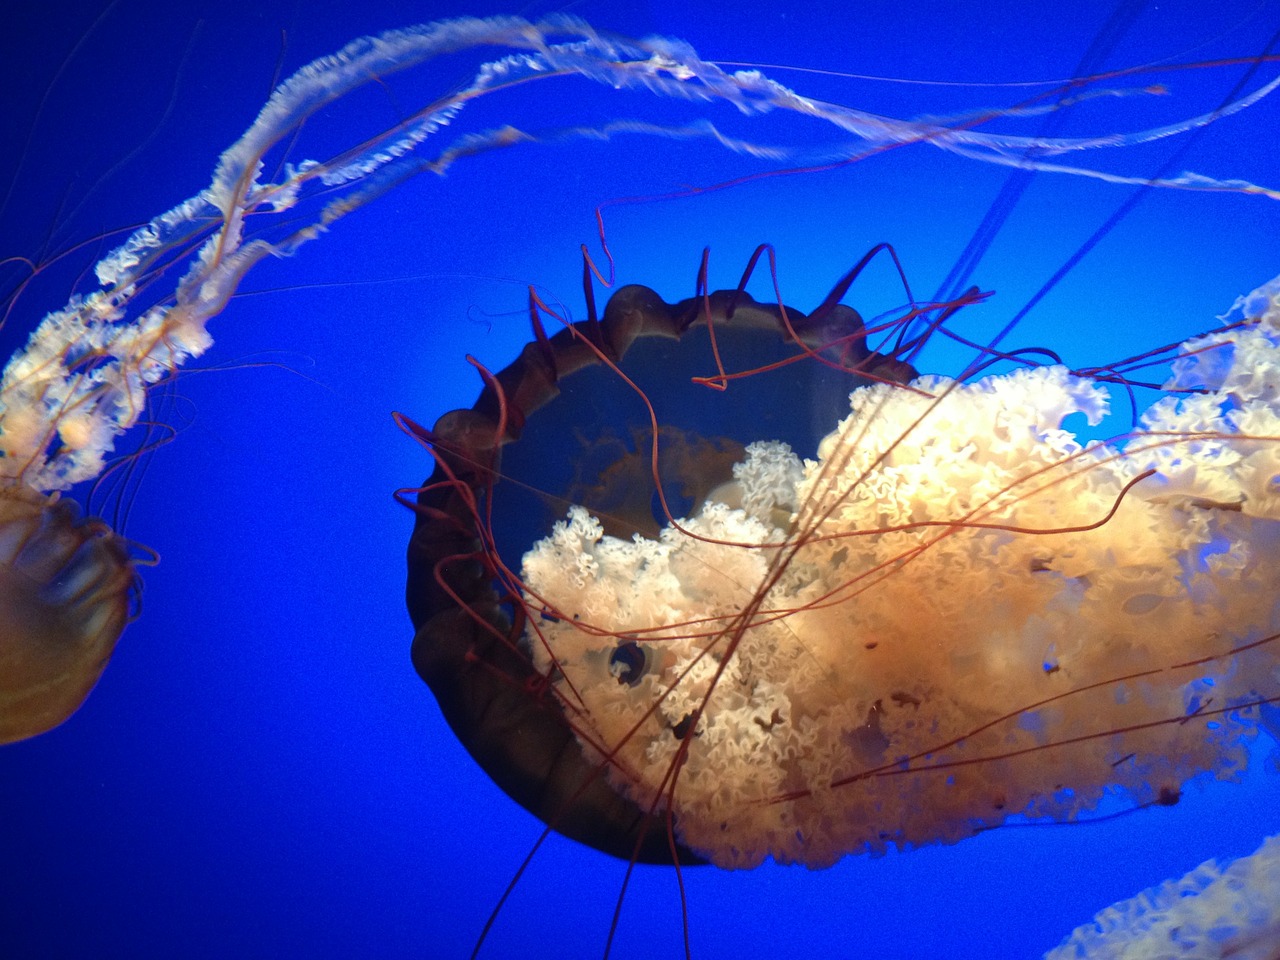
{"points": [[628, 663]]}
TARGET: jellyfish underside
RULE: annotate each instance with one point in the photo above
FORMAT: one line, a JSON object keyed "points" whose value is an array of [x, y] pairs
{"points": [[957, 613], [468, 643], [66, 585]]}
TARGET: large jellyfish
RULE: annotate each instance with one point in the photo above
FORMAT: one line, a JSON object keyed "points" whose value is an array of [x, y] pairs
{"points": [[949, 611], [311, 695], [724, 675]]}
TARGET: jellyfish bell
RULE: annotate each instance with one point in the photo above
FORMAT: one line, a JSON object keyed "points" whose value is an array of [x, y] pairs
{"points": [[66, 587], [488, 490]]}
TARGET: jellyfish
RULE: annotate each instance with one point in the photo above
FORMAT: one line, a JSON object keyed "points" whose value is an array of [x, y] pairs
{"points": [[67, 584], [767, 676], [278, 499], [465, 648]]}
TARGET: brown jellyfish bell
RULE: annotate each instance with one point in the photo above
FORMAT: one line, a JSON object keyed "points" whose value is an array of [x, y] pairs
{"points": [[945, 611], [463, 593], [66, 587]]}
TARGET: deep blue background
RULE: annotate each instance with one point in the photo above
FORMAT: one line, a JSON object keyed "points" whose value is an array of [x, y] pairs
{"points": [[260, 773]]}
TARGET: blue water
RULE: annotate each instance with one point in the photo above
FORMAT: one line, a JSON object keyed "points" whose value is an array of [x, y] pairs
{"points": [[260, 773]]}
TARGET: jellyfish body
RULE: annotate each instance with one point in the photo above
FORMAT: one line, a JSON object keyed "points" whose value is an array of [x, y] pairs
{"points": [[66, 584], [950, 612], [467, 647]]}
